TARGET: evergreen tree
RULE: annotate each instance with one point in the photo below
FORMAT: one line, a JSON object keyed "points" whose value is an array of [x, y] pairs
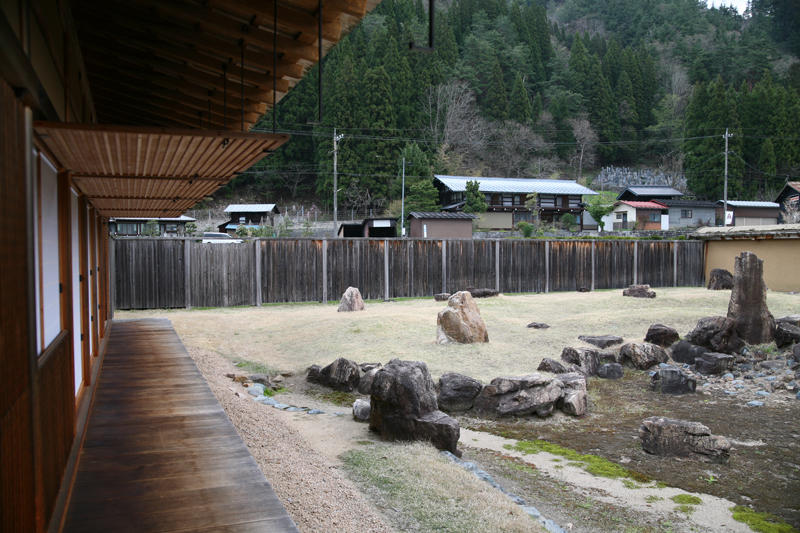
{"points": [[475, 201], [422, 196], [519, 104], [496, 98], [766, 162], [536, 107]]}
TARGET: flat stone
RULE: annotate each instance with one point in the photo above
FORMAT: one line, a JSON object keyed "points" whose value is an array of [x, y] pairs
{"points": [[713, 363], [756, 403], [601, 341], [551, 365], [643, 355], [441, 297], [587, 359], [789, 319], [538, 325], [686, 352], [639, 291], [610, 371], [671, 380], [667, 436], [786, 334]]}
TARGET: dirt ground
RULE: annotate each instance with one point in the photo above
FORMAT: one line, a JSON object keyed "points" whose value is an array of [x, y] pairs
{"points": [[764, 470]]}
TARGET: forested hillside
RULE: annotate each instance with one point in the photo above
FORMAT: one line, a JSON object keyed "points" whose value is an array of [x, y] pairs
{"points": [[558, 90]]}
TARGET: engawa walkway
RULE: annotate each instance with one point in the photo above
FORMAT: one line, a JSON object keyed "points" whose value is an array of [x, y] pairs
{"points": [[160, 453]]}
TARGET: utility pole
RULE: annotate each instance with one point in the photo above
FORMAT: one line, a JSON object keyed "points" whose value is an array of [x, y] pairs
{"points": [[403, 202], [336, 139], [725, 189]]}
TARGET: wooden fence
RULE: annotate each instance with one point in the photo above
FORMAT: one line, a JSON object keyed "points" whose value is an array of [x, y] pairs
{"points": [[160, 273]]}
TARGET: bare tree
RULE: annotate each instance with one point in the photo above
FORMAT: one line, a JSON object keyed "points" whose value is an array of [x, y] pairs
{"points": [[512, 150], [586, 142], [453, 119]]}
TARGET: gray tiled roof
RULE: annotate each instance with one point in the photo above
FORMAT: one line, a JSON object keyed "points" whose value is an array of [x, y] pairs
{"points": [[688, 203], [249, 208], [652, 190], [742, 203], [439, 214], [515, 185]]}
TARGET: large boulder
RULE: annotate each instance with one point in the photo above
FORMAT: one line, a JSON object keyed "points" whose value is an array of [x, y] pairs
{"points": [[587, 359], [610, 371], [643, 355], [789, 319], [342, 374], [365, 383], [457, 392], [748, 304], [671, 380], [667, 436], [686, 352], [720, 279], [460, 321], [351, 301], [662, 335], [713, 363], [601, 341], [717, 334], [575, 400], [639, 291], [520, 395], [403, 406], [786, 334]]}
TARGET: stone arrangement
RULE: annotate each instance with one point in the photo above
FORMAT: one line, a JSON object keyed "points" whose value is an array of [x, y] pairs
{"points": [[351, 301]]}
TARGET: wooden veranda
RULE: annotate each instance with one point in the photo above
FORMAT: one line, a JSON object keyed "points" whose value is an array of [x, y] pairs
{"points": [[160, 454]]}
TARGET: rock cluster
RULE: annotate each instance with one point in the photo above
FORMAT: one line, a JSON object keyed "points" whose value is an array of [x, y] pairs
{"points": [[533, 394], [668, 436], [639, 291], [460, 322], [403, 406], [717, 334]]}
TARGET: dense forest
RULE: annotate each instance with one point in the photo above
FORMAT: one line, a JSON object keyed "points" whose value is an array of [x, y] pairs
{"points": [[542, 89]]}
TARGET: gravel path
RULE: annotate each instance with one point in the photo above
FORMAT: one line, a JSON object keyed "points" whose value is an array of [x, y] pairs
{"points": [[313, 489]]}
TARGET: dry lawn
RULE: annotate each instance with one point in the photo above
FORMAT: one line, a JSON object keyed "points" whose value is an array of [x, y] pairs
{"points": [[292, 337]]}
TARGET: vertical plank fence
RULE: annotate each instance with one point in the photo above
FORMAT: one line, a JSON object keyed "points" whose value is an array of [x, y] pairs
{"points": [[163, 273]]}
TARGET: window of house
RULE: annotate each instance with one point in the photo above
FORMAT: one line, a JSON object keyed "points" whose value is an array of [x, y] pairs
{"points": [[620, 216], [655, 216], [172, 228], [508, 199], [242, 220], [686, 213], [488, 198], [48, 282], [547, 200], [574, 202], [127, 228]]}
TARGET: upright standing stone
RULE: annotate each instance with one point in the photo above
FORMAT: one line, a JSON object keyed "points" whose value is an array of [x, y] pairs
{"points": [[461, 321], [351, 301], [748, 304]]}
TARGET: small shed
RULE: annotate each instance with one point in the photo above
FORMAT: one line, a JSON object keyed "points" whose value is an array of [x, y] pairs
{"points": [[777, 245], [789, 200], [440, 225], [628, 215], [250, 215], [369, 227], [747, 213], [690, 213]]}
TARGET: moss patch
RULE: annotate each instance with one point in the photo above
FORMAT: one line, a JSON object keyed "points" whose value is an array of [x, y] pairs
{"points": [[653, 498], [761, 522], [686, 499], [685, 509], [253, 367], [342, 399], [593, 464]]}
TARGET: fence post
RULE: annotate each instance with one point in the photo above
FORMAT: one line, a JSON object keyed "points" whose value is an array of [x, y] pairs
{"points": [[675, 263], [187, 273], [444, 266], [112, 278], [635, 262], [546, 266], [497, 265], [593, 262], [386, 270], [257, 259], [225, 257], [324, 271]]}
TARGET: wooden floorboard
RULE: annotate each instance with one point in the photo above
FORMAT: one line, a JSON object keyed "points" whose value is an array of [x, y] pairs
{"points": [[160, 454]]}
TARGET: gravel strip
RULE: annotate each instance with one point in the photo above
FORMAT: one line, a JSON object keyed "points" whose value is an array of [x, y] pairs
{"points": [[314, 491]]}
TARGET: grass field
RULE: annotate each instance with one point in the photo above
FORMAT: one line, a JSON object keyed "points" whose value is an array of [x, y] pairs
{"points": [[292, 337]]}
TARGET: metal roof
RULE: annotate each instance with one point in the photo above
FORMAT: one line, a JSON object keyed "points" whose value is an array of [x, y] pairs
{"points": [[249, 208], [652, 190], [771, 231], [515, 185], [182, 218], [439, 214], [742, 203], [688, 203]]}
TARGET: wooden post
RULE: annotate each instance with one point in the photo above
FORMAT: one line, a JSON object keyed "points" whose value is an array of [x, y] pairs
{"points": [[593, 262], [112, 275], [225, 256], [546, 266], [635, 262], [386, 270], [324, 271], [187, 277], [257, 259], [675, 263], [444, 266], [497, 265]]}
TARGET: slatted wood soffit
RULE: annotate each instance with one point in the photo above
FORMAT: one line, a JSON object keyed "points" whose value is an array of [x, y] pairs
{"points": [[149, 171], [178, 63]]}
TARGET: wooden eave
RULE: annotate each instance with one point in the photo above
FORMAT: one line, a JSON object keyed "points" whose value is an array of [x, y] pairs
{"points": [[179, 63], [150, 171]]}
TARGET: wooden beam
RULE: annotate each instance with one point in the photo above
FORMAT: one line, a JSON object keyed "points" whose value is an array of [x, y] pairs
{"points": [[112, 197], [290, 19]]}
